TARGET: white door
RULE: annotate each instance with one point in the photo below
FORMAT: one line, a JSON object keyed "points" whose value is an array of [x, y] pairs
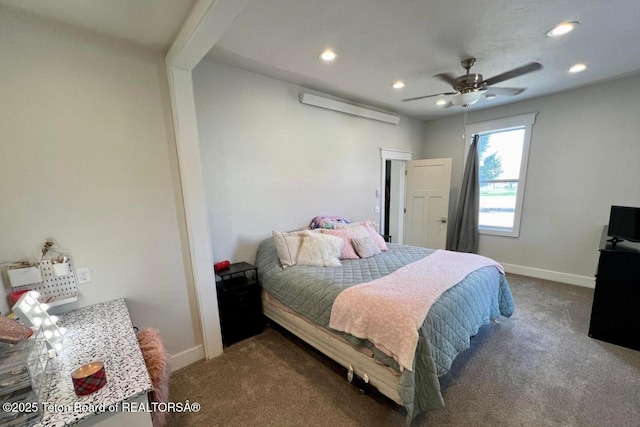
{"points": [[427, 203]]}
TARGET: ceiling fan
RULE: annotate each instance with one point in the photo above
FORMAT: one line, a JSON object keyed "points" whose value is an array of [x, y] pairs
{"points": [[470, 87]]}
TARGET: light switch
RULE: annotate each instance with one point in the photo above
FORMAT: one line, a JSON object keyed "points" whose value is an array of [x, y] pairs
{"points": [[376, 209]]}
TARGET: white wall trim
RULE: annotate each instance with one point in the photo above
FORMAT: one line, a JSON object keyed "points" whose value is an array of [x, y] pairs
{"points": [[205, 25], [526, 122], [186, 358], [556, 276], [393, 154], [207, 22], [195, 205], [508, 122]]}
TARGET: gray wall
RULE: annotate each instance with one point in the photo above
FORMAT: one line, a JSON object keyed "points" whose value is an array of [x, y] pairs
{"points": [[270, 162], [87, 157], [584, 157]]}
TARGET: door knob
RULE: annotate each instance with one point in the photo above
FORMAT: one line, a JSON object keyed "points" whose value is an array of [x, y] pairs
{"points": [[443, 220]]}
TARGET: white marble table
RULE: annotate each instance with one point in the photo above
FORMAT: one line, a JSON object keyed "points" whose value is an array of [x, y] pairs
{"points": [[100, 332]]}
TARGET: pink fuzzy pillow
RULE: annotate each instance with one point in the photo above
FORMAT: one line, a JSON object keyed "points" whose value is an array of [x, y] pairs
{"points": [[369, 225], [157, 360], [347, 234]]}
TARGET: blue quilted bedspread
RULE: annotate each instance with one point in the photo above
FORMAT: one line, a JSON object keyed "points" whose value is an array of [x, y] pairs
{"points": [[446, 331]]}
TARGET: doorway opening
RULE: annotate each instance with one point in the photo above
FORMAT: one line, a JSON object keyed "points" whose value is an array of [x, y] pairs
{"points": [[392, 185]]}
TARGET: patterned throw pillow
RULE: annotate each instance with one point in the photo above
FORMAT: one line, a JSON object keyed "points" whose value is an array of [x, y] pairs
{"points": [[327, 221], [365, 247]]}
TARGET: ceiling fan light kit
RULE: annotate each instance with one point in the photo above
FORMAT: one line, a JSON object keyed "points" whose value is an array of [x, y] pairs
{"points": [[467, 98], [468, 88]]}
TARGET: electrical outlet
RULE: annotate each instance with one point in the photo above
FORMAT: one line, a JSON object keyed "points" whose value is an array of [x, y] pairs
{"points": [[83, 275]]}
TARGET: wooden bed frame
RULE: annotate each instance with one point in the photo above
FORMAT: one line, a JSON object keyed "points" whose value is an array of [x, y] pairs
{"points": [[361, 363]]}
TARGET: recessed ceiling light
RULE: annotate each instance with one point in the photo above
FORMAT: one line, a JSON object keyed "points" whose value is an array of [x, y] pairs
{"points": [[576, 68], [562, 28], [398, 85], [328, 55], [441, 102]]}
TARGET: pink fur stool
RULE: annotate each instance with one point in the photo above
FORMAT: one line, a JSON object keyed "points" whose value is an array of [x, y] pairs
{"points": [[157, 360]]}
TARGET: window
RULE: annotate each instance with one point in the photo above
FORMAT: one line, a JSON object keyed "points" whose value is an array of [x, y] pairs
{"points": [[503, 150]]}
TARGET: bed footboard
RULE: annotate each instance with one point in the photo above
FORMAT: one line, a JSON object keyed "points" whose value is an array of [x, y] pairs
{"points": [[383, 378]]}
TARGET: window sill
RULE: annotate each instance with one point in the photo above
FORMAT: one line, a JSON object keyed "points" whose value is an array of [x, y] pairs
{"points": [[504, 232]]}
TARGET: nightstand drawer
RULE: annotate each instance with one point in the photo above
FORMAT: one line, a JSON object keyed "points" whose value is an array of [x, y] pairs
{"points": [[234, 332], [241, 297], [239, 302], [238, 326]]}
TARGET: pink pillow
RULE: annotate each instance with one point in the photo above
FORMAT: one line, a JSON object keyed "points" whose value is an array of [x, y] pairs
{"points": [[377, 238], [369, 225], [346, 234]]}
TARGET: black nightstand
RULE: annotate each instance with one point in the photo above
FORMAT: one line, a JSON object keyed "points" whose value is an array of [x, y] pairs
{"points": [[239, 302]]}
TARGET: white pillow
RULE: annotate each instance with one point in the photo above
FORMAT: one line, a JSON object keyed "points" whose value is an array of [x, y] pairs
{"points": [[288, 244], [319, 249]]}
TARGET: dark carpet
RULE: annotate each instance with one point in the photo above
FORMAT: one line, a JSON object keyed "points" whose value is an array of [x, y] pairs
{"points": [[538, 368]]}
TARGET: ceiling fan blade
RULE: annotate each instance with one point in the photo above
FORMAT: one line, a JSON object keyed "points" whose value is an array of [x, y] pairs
{"points": [[447, 77], [429, 96], [516, 72], [510, 91]]}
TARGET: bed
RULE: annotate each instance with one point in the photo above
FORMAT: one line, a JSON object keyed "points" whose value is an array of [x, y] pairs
{"points": [[300, 299]]}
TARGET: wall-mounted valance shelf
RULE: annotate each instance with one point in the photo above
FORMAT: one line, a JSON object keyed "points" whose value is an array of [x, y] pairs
{"points": [[343, 107]]}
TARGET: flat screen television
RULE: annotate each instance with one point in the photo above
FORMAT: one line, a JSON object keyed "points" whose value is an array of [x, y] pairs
{"points": [[624, 224]]}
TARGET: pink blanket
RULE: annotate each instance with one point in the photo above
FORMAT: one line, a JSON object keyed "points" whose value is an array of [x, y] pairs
{"points": [[389, 311]]}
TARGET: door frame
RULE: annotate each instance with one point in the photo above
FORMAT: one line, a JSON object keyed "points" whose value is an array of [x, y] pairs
{"points": [[391, 154]]}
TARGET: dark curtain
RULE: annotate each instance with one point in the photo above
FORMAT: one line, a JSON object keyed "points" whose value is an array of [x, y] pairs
{"points": [[465, 232]]}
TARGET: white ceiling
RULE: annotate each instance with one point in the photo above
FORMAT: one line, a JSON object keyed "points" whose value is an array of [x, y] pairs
{"points": [[380, 41], [150, 23]]}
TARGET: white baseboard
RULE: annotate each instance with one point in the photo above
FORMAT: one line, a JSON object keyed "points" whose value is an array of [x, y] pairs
{"points": [[538, 273], [187, 357]]}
